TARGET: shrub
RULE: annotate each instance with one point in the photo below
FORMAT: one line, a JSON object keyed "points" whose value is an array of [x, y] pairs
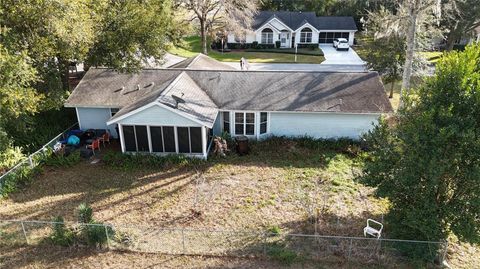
{"points": [[96, 233], [85, 213], [254, 45], [61, 235], [135, 161], [310, 46], [277, 44], [63, 161], [283, 255], [274, 230], [18, 179]]}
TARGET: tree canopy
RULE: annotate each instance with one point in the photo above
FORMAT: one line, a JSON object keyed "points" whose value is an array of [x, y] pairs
{"points": [[40, 39], [426, 160]]}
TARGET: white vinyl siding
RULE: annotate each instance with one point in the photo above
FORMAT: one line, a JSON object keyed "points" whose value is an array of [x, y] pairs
{"points": [[95, 118], [320, 125], [159, 116]]}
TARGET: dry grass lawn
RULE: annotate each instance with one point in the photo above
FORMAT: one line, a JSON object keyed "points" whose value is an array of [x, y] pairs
{"points": [[278, 184]]}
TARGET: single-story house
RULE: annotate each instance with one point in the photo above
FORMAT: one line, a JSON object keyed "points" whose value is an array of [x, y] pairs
{"points": [[179, 109], [294, 28]]}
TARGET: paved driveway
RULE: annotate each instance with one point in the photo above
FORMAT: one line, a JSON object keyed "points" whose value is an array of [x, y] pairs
{"points": [[332, 56]]}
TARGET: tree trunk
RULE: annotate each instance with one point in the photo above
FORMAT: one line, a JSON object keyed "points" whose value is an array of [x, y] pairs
{"points": [[63, 67], [391, 90], [203, 35], [407, 69], [450, 41]]}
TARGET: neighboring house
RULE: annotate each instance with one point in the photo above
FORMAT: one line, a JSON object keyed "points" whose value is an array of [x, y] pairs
{"points": [[292, 28], [178, 110]]}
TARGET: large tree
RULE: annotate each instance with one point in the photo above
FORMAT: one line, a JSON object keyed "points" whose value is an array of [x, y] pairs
{"points": [[53, 33], [426, 161], [386, 55], [226, 15], [460, 18], [409, 18]]}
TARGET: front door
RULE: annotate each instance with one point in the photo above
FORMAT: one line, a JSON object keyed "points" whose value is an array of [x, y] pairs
{"points": [[283, 39]]}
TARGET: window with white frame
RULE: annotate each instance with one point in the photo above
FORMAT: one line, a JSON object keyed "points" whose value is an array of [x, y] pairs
{"points": [[267, 36], [244, 123], [226, 121], [306, 35], [263, 122]]}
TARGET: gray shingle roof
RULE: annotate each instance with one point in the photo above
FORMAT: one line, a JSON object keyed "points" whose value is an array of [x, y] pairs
{"points": [[108, 88], [207, 91], [335, 23], [295, 91], [197, 103], [201, 61], [295, 19]]}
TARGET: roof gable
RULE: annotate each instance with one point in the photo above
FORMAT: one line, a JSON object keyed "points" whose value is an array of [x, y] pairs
{"points": [[201, 61]]}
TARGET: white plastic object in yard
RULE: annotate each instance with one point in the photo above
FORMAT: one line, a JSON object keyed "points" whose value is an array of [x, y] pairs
{"points": [[371, 230]]}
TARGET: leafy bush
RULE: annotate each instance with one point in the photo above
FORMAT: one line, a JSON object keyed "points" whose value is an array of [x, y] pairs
{"points": [[135, 161], [283, 255], [63, 161], [94, 233], [254, 45], [311, 46], [278, 44], [10, 157], [314, 52], [274, 230], [61, 235], [17, 179], [85, 213]]}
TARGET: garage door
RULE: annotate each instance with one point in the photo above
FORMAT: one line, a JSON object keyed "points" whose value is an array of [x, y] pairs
{"points": [[328, 37]]}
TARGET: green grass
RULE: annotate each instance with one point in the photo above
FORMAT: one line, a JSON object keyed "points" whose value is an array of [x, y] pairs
{"points": [[432, 56], [191, 47]]}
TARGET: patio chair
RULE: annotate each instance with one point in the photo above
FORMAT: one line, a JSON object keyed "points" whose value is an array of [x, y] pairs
{"points": [[375, 232], [94, 145], [105, 138]]}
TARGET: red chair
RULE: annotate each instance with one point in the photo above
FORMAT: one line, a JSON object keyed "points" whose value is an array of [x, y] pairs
{"points": [[95, 145], [105, 138]]}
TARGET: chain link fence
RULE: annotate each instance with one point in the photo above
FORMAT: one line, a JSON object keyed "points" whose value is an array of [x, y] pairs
{"points": [[234, 243], [25, 167]]}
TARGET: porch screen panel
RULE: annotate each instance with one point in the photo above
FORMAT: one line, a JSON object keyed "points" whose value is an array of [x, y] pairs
{"points": [[169, 139], [196, 139], [142, 138], [129, 138], [156, 136], [183, 140]]}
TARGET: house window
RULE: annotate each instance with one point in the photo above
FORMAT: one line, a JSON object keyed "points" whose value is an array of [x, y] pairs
{"points": [[267, 36], [306, 35], [244, 123], [226, 121], [189, 139], [113, 111], [263, 122], [136, 138], [129, 138], [169, 139]]}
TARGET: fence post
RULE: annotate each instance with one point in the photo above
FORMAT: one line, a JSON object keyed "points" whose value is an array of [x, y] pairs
{"points": [[30, 161], [350, 249], [106, 234], [444, 254], [265, 244], [24, 232], [183, 241]]}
